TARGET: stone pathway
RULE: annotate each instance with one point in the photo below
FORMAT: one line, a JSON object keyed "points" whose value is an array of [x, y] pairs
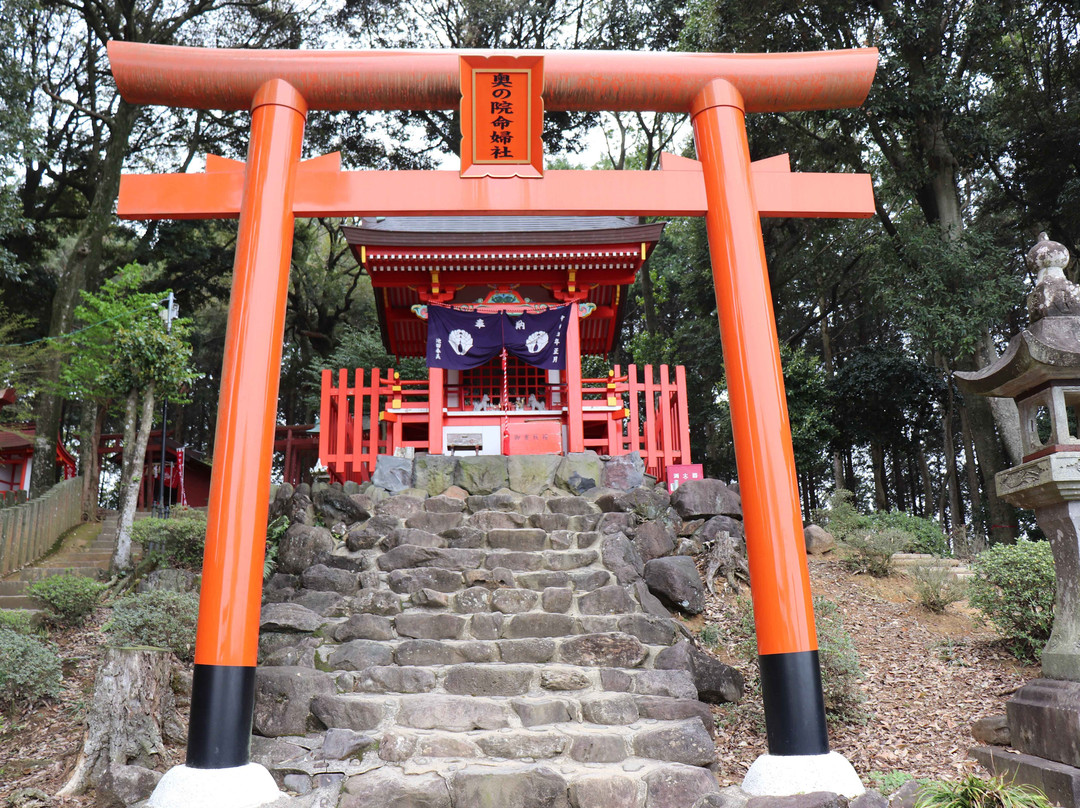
{"points": [[462, 651]]}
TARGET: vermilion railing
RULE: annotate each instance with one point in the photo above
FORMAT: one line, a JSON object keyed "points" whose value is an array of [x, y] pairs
{"points": [[642, 410]]}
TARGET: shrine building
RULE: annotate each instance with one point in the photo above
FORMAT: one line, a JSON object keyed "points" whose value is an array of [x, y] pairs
{"points": [[504, 308]]}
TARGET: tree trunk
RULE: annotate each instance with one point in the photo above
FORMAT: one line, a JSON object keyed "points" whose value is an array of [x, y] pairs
{"points": [[977, 523], [80, 272], [877, 459], [927, 483], [956, 515], [136, 436], [90, 425], [827, 361], [133, 710]]}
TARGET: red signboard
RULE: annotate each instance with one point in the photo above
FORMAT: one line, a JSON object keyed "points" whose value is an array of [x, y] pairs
{"points": [[677, 475], [502, 116]]}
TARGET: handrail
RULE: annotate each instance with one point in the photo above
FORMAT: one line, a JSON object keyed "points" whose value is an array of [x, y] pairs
{"points": [[28, 531]]}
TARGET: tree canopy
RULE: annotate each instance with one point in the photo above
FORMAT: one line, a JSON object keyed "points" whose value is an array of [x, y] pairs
{"points": [[971, 133]]}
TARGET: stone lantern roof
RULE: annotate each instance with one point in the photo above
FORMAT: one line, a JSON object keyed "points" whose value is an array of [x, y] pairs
{"points": [[1048, 350]]}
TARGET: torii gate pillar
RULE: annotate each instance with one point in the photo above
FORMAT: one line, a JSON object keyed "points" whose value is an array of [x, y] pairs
{"points": [[274, 187]]}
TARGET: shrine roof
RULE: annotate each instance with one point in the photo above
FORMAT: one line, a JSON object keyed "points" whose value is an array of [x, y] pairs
{"points": [[503, 231], [453, 259]]}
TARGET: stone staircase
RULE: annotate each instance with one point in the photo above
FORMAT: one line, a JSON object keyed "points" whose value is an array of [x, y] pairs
{"points": [[90, 557], [454, 651], [951, 568]]}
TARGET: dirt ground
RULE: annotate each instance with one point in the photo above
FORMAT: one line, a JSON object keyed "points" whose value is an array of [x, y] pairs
{"points": [[926, 678]]}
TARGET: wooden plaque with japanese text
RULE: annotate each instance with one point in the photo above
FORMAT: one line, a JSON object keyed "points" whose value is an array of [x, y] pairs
{"points": [[502, 116]]}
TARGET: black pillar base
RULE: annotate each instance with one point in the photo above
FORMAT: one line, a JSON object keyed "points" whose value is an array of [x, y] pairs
{"points": [[794, 704], [222, 704]]}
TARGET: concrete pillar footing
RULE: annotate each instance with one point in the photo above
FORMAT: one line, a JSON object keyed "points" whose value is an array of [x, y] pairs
{"points": [[247, 786], [783, 775]]}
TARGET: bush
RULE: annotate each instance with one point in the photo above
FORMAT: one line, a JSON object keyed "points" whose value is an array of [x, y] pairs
{"points": [[68, 598], [29, 669], [872, 550], [841, 519], [175, 542], [975, 792], [935, 588], [160, 619], [924, 535], [17, 620], [1014, 589]]}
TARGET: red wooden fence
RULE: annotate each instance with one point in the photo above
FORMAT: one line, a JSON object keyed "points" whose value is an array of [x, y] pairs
{"points": [[621, 413]]}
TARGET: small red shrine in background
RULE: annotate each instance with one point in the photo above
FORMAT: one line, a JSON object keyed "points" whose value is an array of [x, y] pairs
{"points": [[515, 264]]}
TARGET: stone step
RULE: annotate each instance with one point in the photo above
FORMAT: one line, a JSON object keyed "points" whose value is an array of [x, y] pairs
{"points": [[18, 602], [79, 559], [12, 586], [569, 682], [609, 649], [431, 777], [37, 573]]}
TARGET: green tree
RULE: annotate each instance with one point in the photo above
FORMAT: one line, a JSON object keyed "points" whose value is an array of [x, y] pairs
{"points": [[124, 353]]}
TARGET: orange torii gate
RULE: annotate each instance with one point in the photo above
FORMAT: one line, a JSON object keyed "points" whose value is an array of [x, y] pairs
{"points": [[274, 186]]}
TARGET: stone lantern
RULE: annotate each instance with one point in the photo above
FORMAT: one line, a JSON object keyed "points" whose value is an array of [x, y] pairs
{"points": [[1040, 370]]}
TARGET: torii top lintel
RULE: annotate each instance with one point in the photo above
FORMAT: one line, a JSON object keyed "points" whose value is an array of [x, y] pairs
{"points": [[211, 78]]}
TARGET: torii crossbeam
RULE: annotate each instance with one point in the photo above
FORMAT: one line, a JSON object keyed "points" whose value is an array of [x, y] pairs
{"points": [[274, 186]]}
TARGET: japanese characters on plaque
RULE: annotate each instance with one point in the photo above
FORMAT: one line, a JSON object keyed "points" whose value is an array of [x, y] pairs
{"points": [[501, 116], [679, 474]]}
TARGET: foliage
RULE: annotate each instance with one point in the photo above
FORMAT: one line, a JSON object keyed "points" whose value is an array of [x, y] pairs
{"points": [[178, 541], [887, 782], [924, 535], [29, 669], [709, 635], [131, 349], [841, 518], [17, 620], [1014, 588], [840, 671], [159, 618], [274, 531], [69, 598], [872, 550], [975, 792], [935, 588], [360, 348]]}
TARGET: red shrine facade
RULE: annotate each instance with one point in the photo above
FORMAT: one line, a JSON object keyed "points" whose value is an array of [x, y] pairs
{"points": [[476, 267]]}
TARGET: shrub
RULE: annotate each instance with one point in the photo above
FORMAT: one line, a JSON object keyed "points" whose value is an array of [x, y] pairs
{"points": [[935, 588], [159, 618], [17, 620], [975, 792], [69, 598], [29, 669], [841, 519], [924, 535], [872, 550], [174, 542], [1014, 589]]}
